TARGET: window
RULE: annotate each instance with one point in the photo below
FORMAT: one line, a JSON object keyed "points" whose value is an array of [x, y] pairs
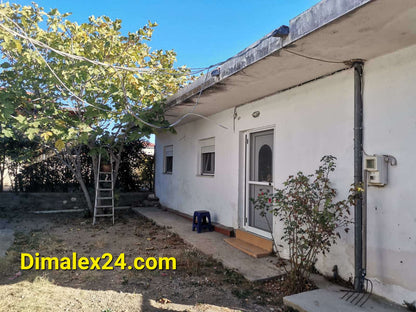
{"points": [[207, 157], [168, 157], [208, 163]]}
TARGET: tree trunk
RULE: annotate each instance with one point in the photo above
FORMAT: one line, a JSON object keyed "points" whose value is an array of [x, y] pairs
{"points": [[74, 164], [117, 164], [78, 173], [2, 168], [95, 168], [86, 194]]}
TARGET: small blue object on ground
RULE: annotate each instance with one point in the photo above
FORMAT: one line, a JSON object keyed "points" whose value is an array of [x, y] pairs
{"points": [[201, 221]]}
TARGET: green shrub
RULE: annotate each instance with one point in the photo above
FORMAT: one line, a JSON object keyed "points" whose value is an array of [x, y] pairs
{"points": [[311, 218]]}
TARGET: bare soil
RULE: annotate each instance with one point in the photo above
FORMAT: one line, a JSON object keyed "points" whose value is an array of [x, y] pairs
{"points": [[198, 284]]}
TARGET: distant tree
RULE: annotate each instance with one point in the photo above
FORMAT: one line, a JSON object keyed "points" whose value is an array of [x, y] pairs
{"points": [[14, 153], [136, 167]]}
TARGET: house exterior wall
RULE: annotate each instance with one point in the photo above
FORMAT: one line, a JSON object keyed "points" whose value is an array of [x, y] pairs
{"points": [[310, 121], [390, 128], [185, 190]]}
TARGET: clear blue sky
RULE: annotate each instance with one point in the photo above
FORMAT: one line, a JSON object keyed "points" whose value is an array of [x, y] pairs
{"points": [[202, 32]]}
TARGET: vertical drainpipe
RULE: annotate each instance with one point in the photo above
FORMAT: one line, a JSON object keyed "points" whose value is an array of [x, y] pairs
{"points": [[358, 174]]}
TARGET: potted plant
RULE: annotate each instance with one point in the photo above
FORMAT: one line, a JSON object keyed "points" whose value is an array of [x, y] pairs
{"points": [[105, 167], [105, 163]]}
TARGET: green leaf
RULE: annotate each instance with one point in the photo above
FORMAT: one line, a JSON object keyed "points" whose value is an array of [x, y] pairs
{"points": [[32, 133], [46, 135], [18, 46], [8, 133], [21, 119], [60, 145]]}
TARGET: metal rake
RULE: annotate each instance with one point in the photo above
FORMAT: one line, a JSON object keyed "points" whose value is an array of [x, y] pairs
{"points": [[357, 297]]}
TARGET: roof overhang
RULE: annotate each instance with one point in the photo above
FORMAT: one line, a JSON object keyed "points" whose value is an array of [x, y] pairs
{"points": [[340, 31]]}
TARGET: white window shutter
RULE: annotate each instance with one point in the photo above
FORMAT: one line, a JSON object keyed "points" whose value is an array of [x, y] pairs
{"points": [[168, 151], [207, 145], [208, 149]]}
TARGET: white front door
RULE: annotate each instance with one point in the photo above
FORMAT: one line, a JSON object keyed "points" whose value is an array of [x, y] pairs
{"points": [[259, 179]]}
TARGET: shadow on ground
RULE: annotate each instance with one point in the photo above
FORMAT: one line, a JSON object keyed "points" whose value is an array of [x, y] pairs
{"points": [[199, 283]]}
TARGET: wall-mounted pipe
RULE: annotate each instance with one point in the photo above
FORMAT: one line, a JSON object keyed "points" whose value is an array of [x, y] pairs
{"points": [[358, 175], [364, 224]]}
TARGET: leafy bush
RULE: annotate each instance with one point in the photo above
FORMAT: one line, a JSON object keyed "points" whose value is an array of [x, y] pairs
{"points": [[311, 218], [51, 175]]}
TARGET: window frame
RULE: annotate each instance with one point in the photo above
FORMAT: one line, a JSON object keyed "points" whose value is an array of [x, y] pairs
{"points": [[204, 165], [206, 146], [167, 153]]}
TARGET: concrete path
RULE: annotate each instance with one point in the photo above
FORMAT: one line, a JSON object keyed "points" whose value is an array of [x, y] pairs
{"points": [[213, 244], [6, 237], [329, 300]]}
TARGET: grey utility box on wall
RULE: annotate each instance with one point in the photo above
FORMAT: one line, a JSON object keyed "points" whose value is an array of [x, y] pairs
{"points": [[377, 168]]}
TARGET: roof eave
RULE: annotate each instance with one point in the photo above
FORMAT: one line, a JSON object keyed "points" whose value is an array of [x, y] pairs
{"points": [[318, 16]]}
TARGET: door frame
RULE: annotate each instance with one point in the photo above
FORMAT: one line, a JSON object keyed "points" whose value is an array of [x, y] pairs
{"points": [[245, 190]]}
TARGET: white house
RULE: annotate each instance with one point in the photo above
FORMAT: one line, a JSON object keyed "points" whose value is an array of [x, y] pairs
{"points": [[281, 104], [149, 148]]}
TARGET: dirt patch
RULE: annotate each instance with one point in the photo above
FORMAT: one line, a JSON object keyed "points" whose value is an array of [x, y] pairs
{"points": [[198, 284], [26, 296]]}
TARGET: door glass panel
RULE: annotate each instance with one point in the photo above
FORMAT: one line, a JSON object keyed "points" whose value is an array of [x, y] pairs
{"points": [[255, 219], [265, 163], [261, 156]]}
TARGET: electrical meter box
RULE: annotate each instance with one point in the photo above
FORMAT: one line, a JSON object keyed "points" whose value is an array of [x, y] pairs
{"points": [[377, 168]]}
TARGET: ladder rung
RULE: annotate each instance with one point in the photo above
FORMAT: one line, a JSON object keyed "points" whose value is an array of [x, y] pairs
{"points": [[104, 177]]}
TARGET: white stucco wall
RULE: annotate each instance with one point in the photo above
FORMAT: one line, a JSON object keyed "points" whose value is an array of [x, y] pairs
{"points": [[311, 121], [185, 189], [390, 128]]}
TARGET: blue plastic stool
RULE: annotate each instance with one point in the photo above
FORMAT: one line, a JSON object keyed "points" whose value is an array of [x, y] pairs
{"points": [[201, 221]]}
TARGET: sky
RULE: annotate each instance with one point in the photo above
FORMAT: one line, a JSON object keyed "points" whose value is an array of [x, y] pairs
{"points": [[201, 32]]}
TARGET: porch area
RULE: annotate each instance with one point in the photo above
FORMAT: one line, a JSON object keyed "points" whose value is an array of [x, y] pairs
{"points": [[213, 244], [327, 298]]}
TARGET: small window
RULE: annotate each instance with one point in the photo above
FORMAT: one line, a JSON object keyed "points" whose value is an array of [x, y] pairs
{"points": [[207, 158], [168, 156], [208, 163]]}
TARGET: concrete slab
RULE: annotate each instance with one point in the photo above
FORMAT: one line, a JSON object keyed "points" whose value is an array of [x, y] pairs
{"points": [[213, 244], [325, 300], [6, 237]]}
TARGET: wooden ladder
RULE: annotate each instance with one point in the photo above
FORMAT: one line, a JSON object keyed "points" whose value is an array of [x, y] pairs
{"points": [[104, 192]]}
